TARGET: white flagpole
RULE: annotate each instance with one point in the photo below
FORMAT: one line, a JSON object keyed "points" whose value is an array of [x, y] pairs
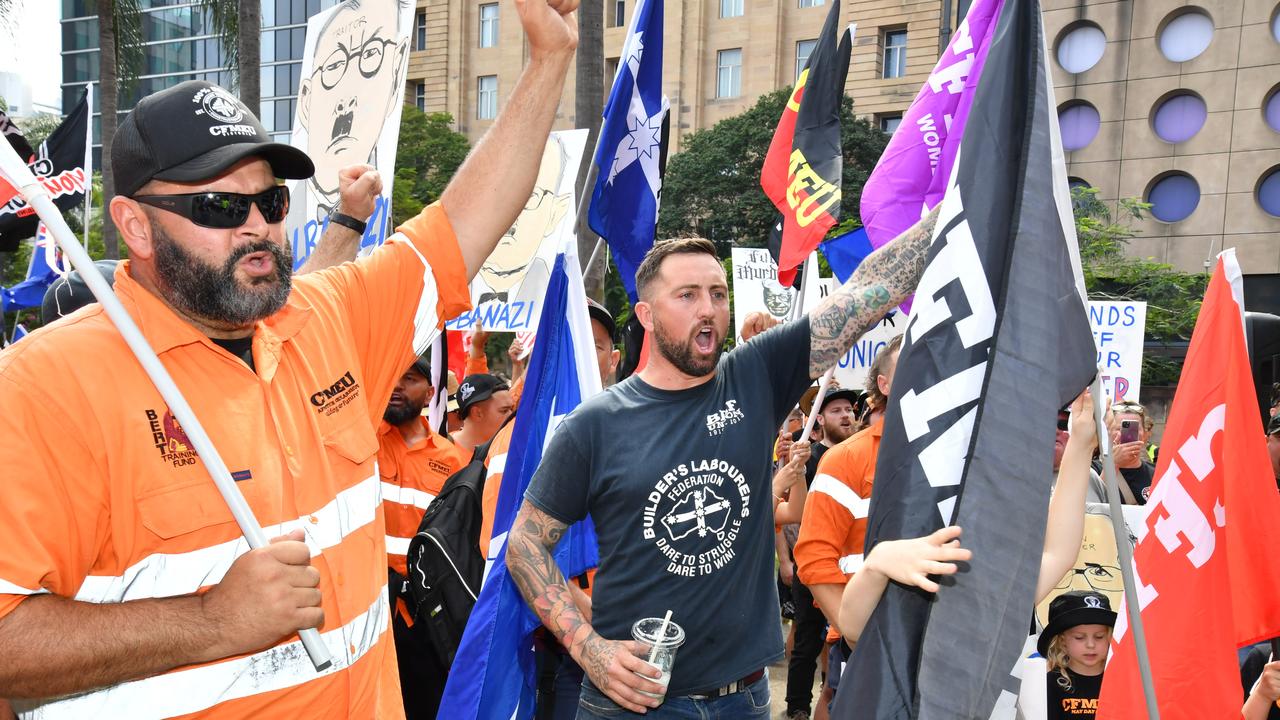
{"points": [[16, 171], [88, 160], [823, 384], [1126, 552]]}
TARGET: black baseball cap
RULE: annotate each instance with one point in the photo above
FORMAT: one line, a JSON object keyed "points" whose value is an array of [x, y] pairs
{"points": [[194, 131], [476, 389], [70, 293], [422, 365], [1079, 607], [601, 314]]}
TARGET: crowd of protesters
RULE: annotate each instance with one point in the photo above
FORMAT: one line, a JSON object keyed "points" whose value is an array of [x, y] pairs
{"points": [[125, 589]]}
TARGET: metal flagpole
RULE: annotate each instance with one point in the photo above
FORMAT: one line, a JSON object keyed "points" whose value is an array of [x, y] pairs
{"points": [[88, 161], [1126, 552], [17, 172]]}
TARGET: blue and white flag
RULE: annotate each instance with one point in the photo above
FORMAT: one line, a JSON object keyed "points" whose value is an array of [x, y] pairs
{"points": [[632, 151], [493, 672], [40, 275], [846, 252]]}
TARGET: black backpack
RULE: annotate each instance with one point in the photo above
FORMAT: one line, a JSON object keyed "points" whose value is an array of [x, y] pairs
{"points": [[444, 561]]}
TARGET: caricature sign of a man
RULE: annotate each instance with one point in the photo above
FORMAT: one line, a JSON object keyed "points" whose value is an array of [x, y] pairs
{"points": [[515, 257], [351, 91]]}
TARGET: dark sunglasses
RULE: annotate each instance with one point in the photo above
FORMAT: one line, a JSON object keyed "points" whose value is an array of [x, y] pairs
{"points": [[222, 209], [1064, 422]]}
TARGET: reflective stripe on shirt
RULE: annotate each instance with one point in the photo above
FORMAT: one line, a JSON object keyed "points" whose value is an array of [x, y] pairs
{"points": [[828, 485], [169, 574]]}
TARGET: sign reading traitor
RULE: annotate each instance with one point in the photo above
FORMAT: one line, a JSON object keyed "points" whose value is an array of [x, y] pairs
{"points": [[756, 288], [1118, 332]]}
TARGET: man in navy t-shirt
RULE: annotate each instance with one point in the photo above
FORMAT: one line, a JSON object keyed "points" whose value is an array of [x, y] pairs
{"points": [[677, 482]]}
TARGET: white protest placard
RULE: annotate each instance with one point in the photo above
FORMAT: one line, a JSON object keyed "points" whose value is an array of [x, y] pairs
{"points": [[507, 292], [756, 288], [1119, 329], [350, 96]]}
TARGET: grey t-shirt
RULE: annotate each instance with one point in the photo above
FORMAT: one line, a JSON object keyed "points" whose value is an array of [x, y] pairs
{"points": [[678, 486]]}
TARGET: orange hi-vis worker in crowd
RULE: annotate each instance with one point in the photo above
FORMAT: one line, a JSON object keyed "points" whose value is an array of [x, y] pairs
{"points": [[126, 589], [413, 460]]}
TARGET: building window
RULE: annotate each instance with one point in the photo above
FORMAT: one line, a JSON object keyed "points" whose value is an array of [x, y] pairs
{"points": [[489, 25], [804, 49], [729, 73], [610, 73], [420, 96], [1186, 36], [1271, 109], [1269, 193], [1179, 117], [889, 123], [487, 99], [420, 31], [812, 3], [1079, 123], [619, 13], [730, 8], [895, 53], [1174, 197], [1081, 47]]}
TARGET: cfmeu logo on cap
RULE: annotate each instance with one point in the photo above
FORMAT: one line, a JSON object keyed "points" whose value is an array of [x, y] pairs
{"points": [[192, 132]]}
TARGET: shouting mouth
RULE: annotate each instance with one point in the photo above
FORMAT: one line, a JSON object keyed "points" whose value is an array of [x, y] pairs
{"points": [[341, 129], [705, 341]]}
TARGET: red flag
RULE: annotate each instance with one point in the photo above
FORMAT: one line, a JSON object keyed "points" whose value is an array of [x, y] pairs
{"points": [[458, 344], [804, 166], [1208, 572]]}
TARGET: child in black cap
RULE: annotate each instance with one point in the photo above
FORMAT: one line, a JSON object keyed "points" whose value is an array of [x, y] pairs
{"points": [[1075, 644]]}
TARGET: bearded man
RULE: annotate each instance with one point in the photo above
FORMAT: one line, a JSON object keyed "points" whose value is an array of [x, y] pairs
{"points": [[673, 467]]}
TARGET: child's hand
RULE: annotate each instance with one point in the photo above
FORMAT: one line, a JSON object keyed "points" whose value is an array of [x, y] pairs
{"points": [[912, 561]]}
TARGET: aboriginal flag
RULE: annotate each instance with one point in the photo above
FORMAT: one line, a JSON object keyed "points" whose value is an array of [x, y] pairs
{"points": [[58, 163], [802, 171]]}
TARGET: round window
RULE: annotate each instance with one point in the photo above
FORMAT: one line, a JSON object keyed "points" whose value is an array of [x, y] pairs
{"points": [[1081, 48], [1079, 124], [1186, 36], [1174, 197], [1269, 193], [1179, 117]]}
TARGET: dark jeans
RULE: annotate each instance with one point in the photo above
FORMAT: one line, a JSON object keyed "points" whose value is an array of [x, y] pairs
{"points": [[753, 702], [810, 631], [422, 678]]}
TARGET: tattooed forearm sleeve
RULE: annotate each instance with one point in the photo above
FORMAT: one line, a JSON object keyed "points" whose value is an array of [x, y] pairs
{"points": [[534, 535], [879, 284]]}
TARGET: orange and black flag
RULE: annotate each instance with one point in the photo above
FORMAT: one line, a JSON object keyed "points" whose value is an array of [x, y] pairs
{"points": [[802, 171]]}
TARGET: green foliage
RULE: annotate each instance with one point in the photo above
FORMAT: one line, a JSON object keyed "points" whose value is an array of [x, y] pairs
{"points": [[428, 154], [37, 128], [712, 187], [1173, 297]]}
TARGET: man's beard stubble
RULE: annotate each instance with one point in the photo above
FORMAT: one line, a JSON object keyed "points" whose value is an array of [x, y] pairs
{"points": [[213, 293], [681, 355]]}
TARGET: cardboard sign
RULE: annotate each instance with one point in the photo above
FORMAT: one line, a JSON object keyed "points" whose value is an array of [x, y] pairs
{"points": [[349, 101], [507, 292], [1119, 329]]}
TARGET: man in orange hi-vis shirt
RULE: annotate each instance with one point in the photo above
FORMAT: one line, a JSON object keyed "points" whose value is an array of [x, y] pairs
{"points": [[829, 549], [126, 589], [414, 462]]}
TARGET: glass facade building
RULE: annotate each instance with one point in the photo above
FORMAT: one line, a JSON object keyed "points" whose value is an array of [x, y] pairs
{"points": [[179, 46]]}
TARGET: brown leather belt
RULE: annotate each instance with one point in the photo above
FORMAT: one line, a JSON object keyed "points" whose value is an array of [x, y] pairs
{"points": [[731, 688]]}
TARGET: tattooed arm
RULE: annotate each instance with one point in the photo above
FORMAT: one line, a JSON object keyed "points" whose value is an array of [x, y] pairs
{"points": [[880, 283], [611, 664]]}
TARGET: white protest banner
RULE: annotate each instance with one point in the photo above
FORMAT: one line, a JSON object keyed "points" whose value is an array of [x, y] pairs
{"points": [[756, 288], [1118, 330], [507, 292], [349, 101]]}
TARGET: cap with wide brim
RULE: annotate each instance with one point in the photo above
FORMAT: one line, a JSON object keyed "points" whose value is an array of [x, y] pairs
{"points": [[286, 162], [1071, 618]]}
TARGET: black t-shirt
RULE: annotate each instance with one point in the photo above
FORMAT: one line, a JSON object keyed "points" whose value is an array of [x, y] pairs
{"points": [[1080, 701], [1139, 480], [1251, 669], [678, 484], [240, 347]]}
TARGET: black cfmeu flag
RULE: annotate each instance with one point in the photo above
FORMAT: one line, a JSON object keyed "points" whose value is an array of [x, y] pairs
{"points": [[998, 340], [59, 164], [804, 167]]}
